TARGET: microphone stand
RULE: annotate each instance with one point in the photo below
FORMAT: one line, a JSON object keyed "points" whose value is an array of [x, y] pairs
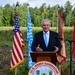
{"points": [[70, 42]]}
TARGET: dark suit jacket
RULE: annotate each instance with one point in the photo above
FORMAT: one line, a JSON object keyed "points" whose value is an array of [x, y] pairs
{"points": [[53, 41]]}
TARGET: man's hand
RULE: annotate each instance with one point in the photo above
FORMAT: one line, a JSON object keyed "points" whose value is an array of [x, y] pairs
{"points": [[56, 49], [38, 48]]}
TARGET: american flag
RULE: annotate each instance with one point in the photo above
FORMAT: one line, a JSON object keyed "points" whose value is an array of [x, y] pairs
{"points": [[17, 49]]}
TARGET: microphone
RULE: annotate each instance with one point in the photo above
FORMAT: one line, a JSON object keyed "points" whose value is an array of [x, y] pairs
{"points": [[65, 39], [70, 40], [60, 38]]}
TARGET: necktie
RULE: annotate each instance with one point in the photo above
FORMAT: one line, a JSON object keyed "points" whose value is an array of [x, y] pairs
{"points": [[46, 40]]}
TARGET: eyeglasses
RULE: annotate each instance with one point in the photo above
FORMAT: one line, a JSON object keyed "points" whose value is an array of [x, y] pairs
{"points": [[45, 24]]}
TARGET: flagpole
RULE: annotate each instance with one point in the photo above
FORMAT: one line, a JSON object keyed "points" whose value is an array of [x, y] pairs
{"points": [[16, 71], [59, 65], [45, 12], [16, 13]]}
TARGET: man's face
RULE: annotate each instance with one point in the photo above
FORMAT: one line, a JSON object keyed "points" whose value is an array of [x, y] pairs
{"points": [[45, 26]]}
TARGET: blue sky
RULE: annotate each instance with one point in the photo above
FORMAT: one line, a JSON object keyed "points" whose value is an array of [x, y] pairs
{"points": [[38, 3]]}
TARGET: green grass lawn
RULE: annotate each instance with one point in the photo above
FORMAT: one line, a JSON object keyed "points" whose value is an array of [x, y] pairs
{"points": [[34, 28], [6, 37]]}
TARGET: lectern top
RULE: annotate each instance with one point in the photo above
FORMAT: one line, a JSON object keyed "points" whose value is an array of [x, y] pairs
{"points": [[51, 55]]}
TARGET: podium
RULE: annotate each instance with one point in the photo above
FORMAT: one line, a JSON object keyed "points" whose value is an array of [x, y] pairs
{"points": [[43, 65], [43, 56]]}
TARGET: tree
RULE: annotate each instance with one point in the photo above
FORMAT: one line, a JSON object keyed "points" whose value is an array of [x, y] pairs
{"points": [[54, 15], [7, 15], [68, 11], [1, 16], [23, 14]]}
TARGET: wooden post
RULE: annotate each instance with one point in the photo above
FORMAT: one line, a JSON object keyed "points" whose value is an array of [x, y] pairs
{"points": [[16, 71]]}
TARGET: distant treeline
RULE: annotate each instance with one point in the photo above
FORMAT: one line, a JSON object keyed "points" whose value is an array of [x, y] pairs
{"points": [[7, 14]]}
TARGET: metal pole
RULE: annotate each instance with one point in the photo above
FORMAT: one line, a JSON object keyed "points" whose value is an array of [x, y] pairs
{"points": [[45, 12], [70, 57]]}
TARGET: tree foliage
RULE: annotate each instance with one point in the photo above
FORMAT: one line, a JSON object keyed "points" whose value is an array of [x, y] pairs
{"points": [[7, 14], [1, 16]]}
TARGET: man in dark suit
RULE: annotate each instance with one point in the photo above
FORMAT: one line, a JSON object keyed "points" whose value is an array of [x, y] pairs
{"points": [[46, 40]]}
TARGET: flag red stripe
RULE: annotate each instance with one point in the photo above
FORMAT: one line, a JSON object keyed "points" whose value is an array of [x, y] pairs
{"points": [[18, 41], [12, 62], [15, 56], [17, 51]]}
